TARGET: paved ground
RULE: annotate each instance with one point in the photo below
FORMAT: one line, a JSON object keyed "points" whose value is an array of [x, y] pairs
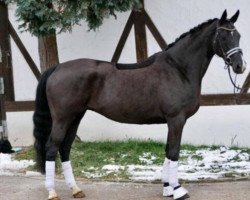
{"points": [[32, 188]]}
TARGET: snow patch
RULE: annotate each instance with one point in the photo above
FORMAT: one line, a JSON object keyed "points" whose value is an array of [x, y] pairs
{"points": [[9, 167], [145, 173], [32, 173], [112, 168], [196, 165], [147, 158]]}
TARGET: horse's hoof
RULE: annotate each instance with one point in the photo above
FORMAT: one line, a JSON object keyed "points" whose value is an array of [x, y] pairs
{"points": [[186, 196], [79, 194], [53, 195], [55, 198]]}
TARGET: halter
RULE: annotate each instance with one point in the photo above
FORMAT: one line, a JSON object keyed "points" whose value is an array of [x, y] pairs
{"points": [[227, 56]]}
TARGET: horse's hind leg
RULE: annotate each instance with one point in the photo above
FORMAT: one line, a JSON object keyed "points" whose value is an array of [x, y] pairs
{"points": [[58, 132], [170, 167], [65, 152]]}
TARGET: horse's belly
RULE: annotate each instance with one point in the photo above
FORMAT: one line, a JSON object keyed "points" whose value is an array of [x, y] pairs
{"points": [[132, 101], [130, 114], [133, 119]]}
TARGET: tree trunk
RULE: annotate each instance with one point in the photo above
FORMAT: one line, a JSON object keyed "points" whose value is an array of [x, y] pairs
{"points": [[48, 52]]}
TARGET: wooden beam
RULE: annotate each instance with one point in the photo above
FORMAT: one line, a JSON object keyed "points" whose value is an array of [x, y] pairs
{"points": [[123, 38], [206, 100], [160, 40], [18, 106], [225, 99], [5, 54], [24, 52], [140, 35], [246, 85]]}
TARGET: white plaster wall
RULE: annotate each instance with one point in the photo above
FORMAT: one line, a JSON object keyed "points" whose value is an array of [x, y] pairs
{"points": [[211, 125]]}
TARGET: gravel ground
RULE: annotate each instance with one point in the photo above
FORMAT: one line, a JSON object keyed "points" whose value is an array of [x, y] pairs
{"points": [[20, 187]]}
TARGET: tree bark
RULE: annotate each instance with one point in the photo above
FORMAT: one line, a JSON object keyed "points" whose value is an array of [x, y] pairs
{"points": [[48, 52]]}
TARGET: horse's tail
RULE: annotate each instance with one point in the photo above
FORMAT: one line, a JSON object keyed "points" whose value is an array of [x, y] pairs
{"points": [[42, 120]]}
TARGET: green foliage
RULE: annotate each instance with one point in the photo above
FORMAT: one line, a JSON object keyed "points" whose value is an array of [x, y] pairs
{"points": [[42, 17]]}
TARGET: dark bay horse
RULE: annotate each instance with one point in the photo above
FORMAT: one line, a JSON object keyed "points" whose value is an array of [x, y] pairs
{"points": [[165, 88]]}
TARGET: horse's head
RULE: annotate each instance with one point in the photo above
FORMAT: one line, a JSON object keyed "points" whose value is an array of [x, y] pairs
{"points": [[226, 43]]}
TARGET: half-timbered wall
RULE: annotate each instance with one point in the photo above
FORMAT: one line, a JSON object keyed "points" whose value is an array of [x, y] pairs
{"points": [[170, 18]]}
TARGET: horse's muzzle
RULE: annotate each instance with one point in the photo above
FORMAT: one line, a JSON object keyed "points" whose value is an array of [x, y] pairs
{"points": [[240, 69], [240, 66]]}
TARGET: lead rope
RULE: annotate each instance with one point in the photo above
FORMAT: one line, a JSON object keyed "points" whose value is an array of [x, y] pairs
{"points": [[236, 88]]}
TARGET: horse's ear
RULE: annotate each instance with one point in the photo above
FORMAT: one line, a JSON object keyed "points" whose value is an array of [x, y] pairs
{"points": [[235, 17], [223, 17]]}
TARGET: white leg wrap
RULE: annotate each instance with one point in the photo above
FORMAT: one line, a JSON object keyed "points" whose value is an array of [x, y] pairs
{"points": [[173, 171], [180, 192], [50, 176], [165, 171], [168, 191], [68, 174]]}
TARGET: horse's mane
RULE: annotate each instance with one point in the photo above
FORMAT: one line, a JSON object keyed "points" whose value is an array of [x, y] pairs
{"points": [[152, 58], [191, 32]]}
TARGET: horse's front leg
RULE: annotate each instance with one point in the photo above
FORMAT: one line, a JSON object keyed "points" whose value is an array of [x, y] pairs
{"points": [[170, 166]]}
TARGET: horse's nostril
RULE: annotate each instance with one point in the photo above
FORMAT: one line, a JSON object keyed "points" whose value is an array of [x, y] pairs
{"points": [[240, 69]]}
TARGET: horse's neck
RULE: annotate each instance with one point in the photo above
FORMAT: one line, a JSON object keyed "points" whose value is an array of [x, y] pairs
{"points": [[195, 54]]}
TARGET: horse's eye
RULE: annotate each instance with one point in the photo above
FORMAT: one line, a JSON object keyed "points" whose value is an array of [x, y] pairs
{"points": [[223, 37]]}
